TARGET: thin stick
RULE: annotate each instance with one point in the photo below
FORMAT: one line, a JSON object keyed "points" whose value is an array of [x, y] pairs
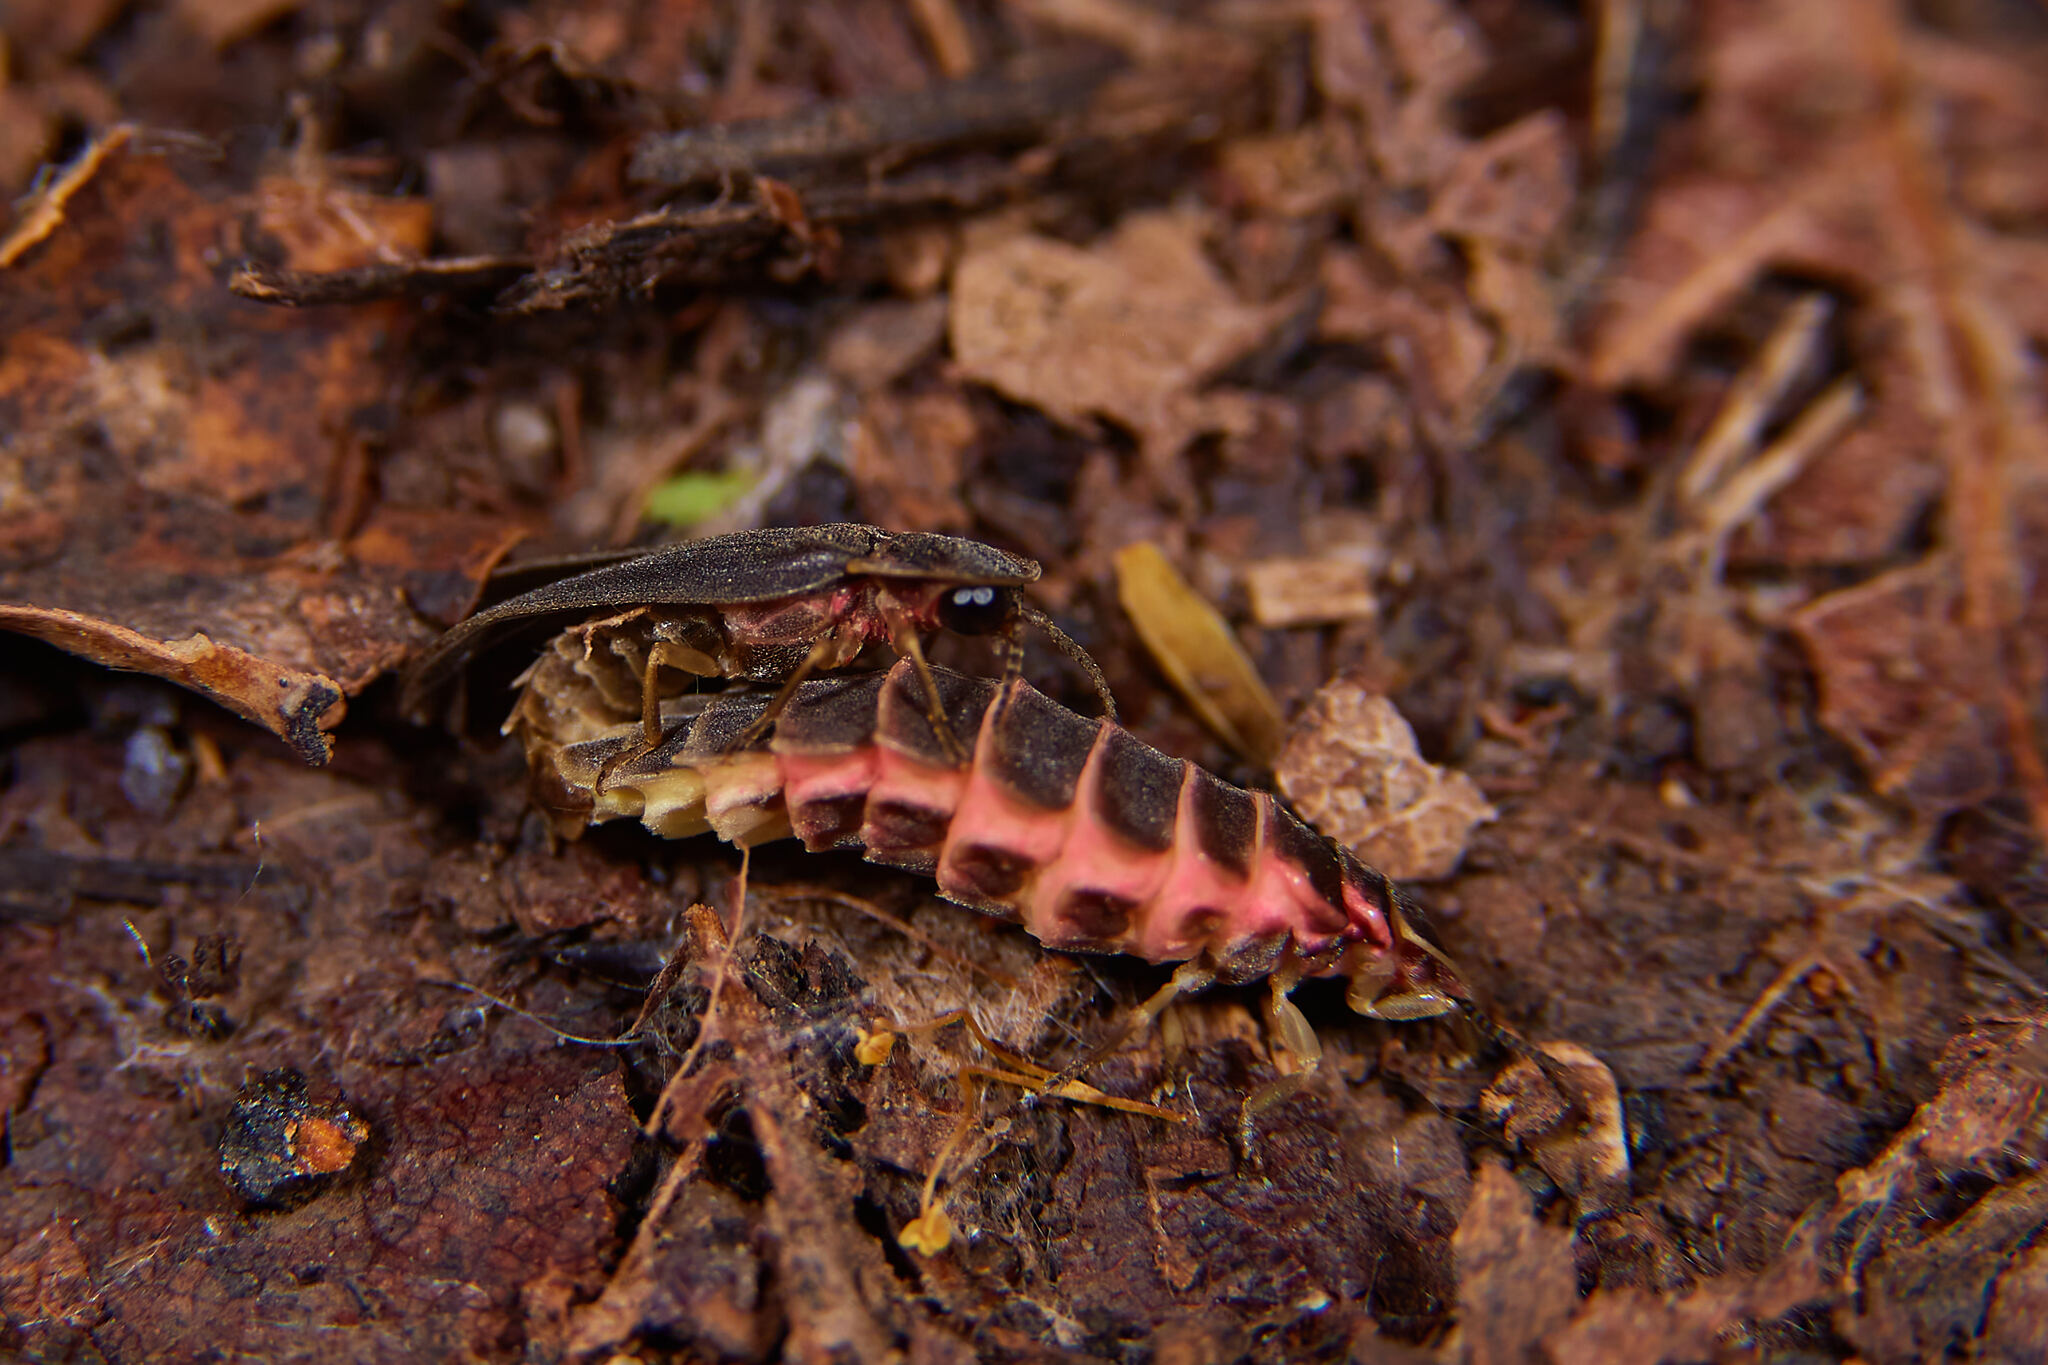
{"points": [[659, 1114]]}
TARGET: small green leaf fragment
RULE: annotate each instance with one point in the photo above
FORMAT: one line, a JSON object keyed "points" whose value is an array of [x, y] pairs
{"points": [[690, 498]]}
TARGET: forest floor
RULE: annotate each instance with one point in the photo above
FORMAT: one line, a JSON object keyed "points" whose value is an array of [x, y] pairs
{"points": [[1643, 398]]}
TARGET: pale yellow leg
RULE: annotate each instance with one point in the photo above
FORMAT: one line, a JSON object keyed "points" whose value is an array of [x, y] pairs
{"points": [[823, 648], [1190, 977], [1297, 1051], [662, 654]]}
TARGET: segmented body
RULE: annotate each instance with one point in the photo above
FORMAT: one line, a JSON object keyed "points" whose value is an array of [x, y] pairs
{"points": [[1090, 839]]}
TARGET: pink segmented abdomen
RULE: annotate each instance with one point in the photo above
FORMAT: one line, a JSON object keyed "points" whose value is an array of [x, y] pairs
{"points": [[1090, 839]]}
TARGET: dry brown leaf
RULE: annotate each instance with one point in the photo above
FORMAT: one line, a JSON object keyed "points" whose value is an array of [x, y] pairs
{"points": [[876, 345], [1516, 1280], [222, 22], [1625, 1326], [1934, 1280], [1352, 768], [182, 498], [1127, 329], [1512, 190], [1432, 337], [1294, 175], [1902, 682]]}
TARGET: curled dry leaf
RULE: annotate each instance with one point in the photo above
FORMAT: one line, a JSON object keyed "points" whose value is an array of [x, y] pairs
{"points": [[1196, 650], [1351, 767], [1125, 330]]}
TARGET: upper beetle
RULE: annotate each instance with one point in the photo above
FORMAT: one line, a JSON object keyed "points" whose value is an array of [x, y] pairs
{"points": [[772, 606]]}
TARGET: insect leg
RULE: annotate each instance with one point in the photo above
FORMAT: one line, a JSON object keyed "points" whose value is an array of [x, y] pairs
{"points": [[661, 654], [931, 1232], [824, 647], [1066, 645], [1297, 1049], [1187, 979], [903, 635], [1014, 1070]]}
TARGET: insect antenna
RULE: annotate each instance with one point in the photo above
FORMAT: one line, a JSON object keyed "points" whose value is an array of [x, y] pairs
{"points": [[1493, 1031], [1067, 645]]}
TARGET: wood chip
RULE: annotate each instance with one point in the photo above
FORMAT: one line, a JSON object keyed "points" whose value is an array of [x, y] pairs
{"points": [[1301, 592]]}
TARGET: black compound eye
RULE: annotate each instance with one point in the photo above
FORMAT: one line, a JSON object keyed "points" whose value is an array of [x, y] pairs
{"points": [[975, 610]]}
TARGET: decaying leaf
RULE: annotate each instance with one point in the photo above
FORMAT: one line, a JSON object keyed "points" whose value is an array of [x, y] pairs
{"points": [[1351, 766], [1516, 1281], [1903, 682], [1936, 1268], [178, 478], [1570, 1121]]}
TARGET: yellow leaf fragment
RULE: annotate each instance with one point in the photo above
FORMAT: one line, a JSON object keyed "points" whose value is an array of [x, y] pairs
{"points": [[1194, 646]]}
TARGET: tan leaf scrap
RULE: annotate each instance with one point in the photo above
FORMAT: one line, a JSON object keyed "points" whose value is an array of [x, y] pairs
{"points": [[1351, 767]]}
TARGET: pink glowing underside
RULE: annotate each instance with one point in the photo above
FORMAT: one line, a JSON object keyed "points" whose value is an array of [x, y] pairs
{"points": [[1186, 900]]}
